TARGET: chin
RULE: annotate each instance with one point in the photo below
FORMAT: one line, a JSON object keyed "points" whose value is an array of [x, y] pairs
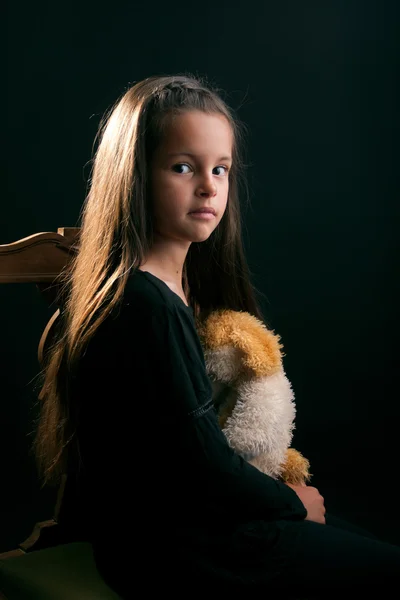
{"points": [[198, 240], [201, 237], [203, 232]]}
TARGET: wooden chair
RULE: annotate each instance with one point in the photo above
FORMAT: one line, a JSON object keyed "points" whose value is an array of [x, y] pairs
{"points": [[44, 566]]}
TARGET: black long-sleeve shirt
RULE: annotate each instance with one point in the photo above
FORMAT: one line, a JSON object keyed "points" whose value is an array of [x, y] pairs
{"points": [[157, 469]]}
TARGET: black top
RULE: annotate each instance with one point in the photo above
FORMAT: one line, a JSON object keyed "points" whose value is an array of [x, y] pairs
{"points": [[159, 477]]}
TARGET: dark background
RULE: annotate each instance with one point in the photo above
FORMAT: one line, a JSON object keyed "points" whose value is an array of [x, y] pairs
{"points": [[315, 82]]}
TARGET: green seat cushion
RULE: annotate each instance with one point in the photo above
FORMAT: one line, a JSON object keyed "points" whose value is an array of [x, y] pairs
{"points": [[66, 572]]}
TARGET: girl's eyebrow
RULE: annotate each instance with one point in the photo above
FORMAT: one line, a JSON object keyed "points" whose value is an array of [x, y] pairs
{"points": [[229, 158]]}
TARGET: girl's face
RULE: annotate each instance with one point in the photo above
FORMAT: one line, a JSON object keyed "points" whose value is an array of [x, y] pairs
{"points": [[190, 171]]}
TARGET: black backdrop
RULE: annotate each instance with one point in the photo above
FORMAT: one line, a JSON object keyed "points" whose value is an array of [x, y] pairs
{"points": [[316, 84]]}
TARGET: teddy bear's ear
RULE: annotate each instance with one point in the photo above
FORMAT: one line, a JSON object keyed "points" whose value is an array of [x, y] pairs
{"points": [[242, 341]]}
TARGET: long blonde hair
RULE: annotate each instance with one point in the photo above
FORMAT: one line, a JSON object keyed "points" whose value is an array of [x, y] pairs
{"points": [[116, 235]]}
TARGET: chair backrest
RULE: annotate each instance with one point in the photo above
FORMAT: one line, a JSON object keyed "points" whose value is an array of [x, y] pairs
{"points": [[40, 259], [37, 258]]}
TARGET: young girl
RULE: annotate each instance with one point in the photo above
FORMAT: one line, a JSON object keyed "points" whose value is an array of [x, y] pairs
{"points": [[127, 410]]}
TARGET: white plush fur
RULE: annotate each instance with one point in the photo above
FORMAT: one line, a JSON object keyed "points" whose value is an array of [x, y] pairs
{"points": [[256, 427], [262, 420], [223, 364]]}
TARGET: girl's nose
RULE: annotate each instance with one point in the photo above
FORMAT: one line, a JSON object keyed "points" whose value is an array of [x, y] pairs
{"points": [[207, 187]]}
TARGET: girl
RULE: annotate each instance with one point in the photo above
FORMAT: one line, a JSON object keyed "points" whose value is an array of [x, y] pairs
{"points": [[127, 409]]}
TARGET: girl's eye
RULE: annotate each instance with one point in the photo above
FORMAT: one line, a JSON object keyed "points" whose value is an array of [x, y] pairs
{"points": [[178, 168], [222, 167]]}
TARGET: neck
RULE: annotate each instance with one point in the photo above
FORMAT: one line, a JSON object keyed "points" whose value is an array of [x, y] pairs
{"points": [[167, 261]]}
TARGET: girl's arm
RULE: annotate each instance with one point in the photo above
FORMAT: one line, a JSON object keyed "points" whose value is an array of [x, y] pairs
{"points": [[188, 411]]}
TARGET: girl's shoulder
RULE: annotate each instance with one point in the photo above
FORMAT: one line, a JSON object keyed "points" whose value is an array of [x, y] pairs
{"points": [[141, 291]]}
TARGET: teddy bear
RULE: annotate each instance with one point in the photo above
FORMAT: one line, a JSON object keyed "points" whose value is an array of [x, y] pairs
{"points": [[252, 395]]}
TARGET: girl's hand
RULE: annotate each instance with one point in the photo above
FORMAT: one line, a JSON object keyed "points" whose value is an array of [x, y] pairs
{"points": [[312, 500]]}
